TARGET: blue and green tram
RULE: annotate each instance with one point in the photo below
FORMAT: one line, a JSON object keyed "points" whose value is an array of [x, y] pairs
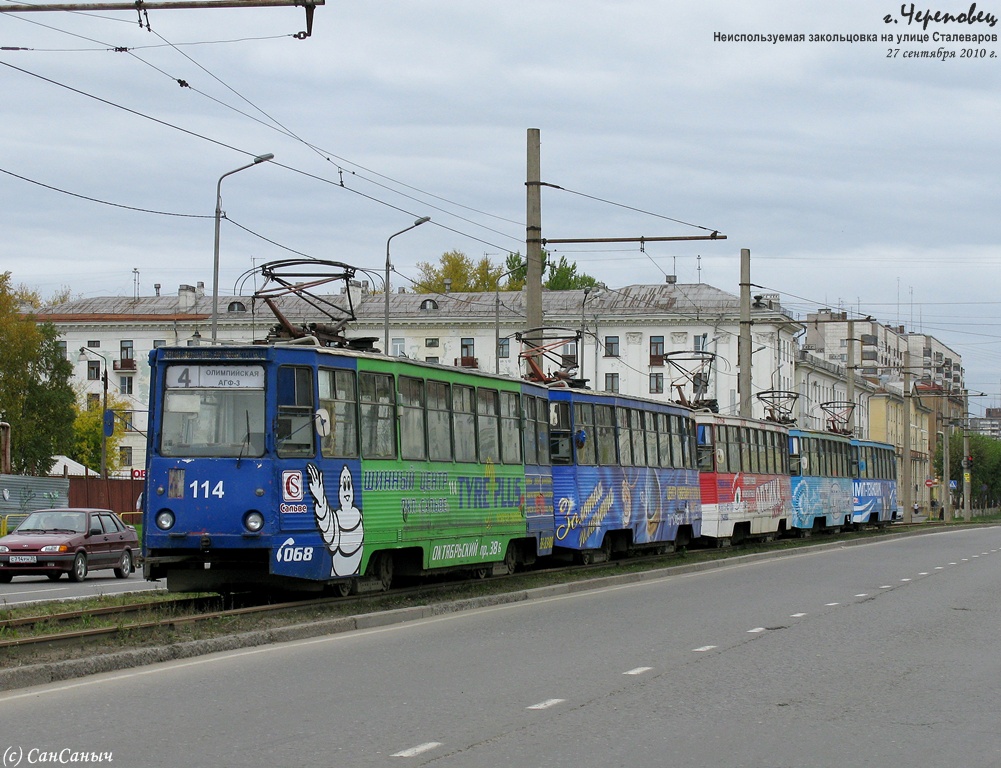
{"points": [[300, 466], [821, 479], [624, 474], [874, 494]]}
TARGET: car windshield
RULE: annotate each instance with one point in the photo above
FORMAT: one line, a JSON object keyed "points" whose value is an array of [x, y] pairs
{"points": [[72, 522]]}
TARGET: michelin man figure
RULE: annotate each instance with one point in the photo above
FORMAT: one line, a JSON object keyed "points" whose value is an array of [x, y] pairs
{"points": [[342, 529]]}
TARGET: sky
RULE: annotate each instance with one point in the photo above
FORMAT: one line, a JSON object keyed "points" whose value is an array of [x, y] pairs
{"points": [[861, 175]]}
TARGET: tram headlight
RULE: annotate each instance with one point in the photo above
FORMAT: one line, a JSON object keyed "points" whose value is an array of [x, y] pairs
{"points": [[253, 521], [165, 520]]}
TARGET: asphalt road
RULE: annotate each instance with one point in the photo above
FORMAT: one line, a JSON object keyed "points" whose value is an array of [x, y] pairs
{"points": [[34, 589], [876, 655]]}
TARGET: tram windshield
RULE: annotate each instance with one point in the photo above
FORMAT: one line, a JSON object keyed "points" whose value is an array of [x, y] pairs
{"points": [[215, 420]]}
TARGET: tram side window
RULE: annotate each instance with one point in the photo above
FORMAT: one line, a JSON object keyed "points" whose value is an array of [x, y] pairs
{"points": [[487, 417], [378, 433], [677, 442], [510, 428], [439, 422], [653, 459], [559, 433], [795, 456], [636, 428], [463, 423], [604, 428], [746, 450], [706, 449], [338, 397], [624, 438], [295, 427], [531, 454], [542, 431], [412, 446], [664, 440], [732, 449], [583, 425]]}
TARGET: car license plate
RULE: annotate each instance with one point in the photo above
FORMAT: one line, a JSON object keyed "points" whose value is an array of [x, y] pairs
{"points": [[22, 558]]}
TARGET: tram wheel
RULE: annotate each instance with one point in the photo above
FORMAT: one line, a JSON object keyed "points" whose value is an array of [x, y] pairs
{"points": [[511, 558], [384, 570], [481, 573], [344, 588]]}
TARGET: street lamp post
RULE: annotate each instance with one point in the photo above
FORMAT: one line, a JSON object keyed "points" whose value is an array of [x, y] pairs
{"points": [[218, 217], [104, 413], [389, 266]]}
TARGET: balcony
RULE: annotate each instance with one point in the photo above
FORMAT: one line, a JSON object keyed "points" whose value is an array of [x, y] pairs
{"points": [[125, 364], [466, 362]]}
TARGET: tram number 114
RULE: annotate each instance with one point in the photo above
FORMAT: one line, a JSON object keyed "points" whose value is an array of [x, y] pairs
{"points": [[201, 490]]}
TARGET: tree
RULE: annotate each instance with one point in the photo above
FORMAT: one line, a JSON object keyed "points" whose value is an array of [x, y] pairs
{"points": [[36, 398], [563, 277], [464, 275], [88, 434], [460, 271]]}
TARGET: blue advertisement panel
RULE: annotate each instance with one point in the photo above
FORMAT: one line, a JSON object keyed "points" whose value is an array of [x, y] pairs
{"points": [[322, 522], [874, 501], [826, 498], [651, 503]]}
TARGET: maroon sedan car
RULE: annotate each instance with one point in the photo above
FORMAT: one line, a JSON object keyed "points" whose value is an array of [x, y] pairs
{"points": [[73, 541]]}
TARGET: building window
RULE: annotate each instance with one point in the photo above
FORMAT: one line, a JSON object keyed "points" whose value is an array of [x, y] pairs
{"points": [[428, 304], [125, 385], [656, 351], [700, 342], [125, 455], [656, 383], [430, 342], [93, 401], [431, 360], [93, 370], [157, 343], [127, 349], [399, 347], [61, 345], [504, 348], [467, 348], [612, 347], [611, 382], [94, 344]]}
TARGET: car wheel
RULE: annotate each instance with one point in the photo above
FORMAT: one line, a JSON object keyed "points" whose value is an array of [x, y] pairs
{"points": [[124, 568], [54, 576], [6, 577], [79, 572]]}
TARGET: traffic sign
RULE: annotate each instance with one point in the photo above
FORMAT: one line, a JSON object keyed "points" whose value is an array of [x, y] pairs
{"points": [[929, 482]]}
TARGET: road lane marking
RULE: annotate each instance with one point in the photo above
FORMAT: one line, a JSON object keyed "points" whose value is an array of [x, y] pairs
{"points": [[638, 671], [755, 630], [546, 704], [797, 615], [420, 749], [703, 649]]}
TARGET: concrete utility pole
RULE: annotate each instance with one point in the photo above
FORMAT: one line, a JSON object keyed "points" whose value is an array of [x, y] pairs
{"points": [[905, 470], [946, 472], [967, 470], [744, 339], [533, 231], [850, 384]]}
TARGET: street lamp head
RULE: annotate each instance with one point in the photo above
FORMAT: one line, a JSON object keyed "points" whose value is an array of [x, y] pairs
{"points": [[264, 158], [82, 356], [422, 220]]}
